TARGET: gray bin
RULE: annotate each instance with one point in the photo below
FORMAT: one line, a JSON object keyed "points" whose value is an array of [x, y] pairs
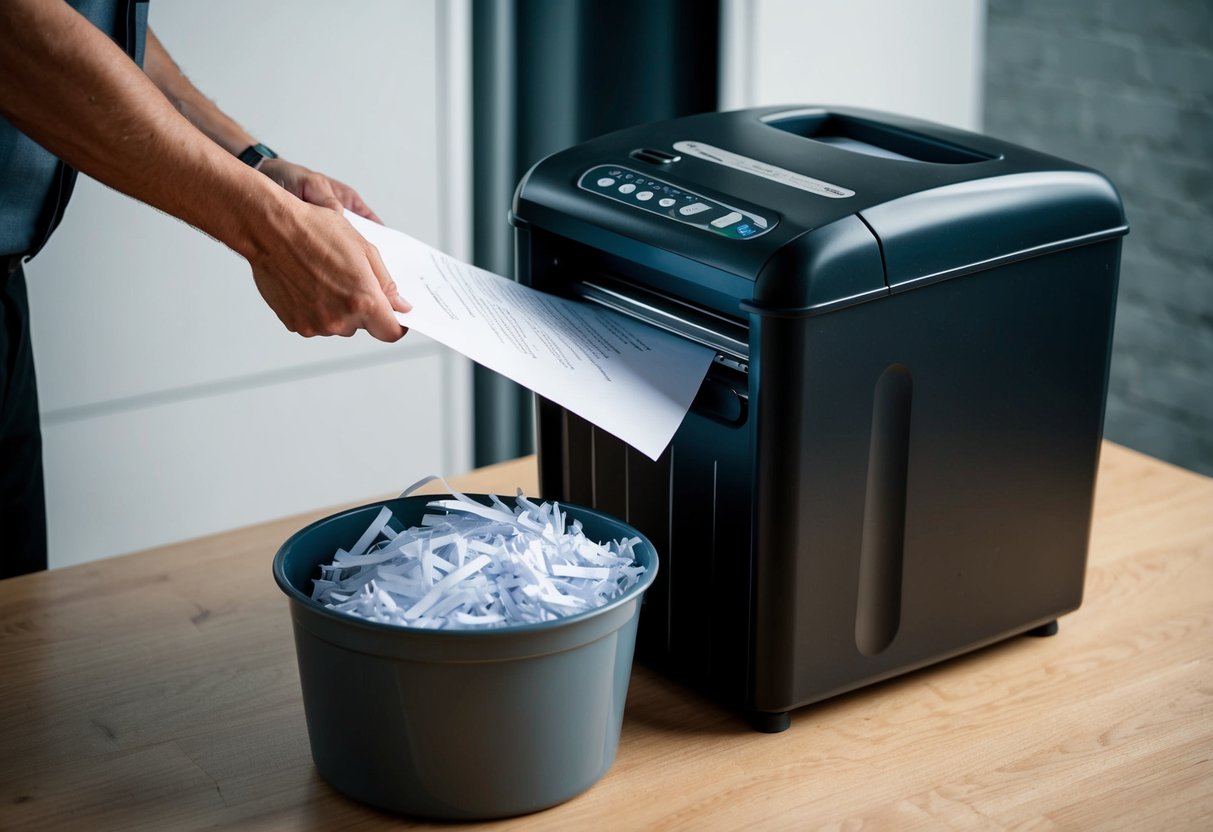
{"points": [[459, 724]]}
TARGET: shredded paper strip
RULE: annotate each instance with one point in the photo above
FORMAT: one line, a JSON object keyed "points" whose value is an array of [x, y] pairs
{"points": [[476, 567]]}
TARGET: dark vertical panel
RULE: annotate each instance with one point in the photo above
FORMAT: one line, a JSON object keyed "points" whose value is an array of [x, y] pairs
{"points": [[648, 509], [693, 605], [553, 485], [731, 562], [548, 74], [610, 462], [502, 409], [577, 445]]}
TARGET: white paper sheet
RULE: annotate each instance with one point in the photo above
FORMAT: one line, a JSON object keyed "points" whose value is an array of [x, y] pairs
{"points": [[630, 379]]}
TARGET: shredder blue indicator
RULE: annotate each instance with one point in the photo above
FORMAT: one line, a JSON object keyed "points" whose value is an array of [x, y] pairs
{"points": [[745, 229]]}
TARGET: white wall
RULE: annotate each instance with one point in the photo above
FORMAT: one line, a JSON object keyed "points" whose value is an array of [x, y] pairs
{"points": [[174, 402], [921, 58]]}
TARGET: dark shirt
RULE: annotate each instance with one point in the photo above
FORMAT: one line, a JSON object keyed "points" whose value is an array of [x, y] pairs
{"points": [[34, 184]]}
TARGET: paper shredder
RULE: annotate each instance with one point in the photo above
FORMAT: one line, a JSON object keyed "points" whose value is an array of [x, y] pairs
{"points": [[892, 458]]}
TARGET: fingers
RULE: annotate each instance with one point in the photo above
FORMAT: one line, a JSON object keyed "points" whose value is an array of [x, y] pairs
{"points": [[381, 322], [353, 201], [319, 192], [318, 189], [385, 281], [398, 303], [360, 208], [316, 280]]}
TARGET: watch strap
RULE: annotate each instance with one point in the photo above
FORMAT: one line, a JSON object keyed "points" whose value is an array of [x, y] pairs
{"points": [[255, 155]]}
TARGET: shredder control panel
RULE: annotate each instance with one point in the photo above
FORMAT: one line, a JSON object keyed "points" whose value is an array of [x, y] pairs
{"points": [[643, 192]]}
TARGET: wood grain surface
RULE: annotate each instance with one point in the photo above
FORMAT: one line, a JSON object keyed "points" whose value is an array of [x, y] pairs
{"points": [[159, 691]]}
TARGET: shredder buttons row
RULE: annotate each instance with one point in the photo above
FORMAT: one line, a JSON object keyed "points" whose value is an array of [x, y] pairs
{"points": [[641, 191]]}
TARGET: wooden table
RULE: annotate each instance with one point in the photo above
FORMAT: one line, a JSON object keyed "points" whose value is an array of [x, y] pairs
{"points": [[159, 690]]}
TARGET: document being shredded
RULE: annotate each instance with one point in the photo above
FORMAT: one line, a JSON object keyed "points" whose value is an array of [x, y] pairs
{"points": [[630, 379]]}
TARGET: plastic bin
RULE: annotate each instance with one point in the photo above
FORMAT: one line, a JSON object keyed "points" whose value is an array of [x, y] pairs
{"points": [[459, 724]]}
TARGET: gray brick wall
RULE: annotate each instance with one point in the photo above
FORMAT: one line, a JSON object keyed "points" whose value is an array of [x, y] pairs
{"points": [[1126, 86]]}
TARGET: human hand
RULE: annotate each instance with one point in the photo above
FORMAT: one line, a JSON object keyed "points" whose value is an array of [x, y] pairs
{"points": [[321, 277], [316, 188]]}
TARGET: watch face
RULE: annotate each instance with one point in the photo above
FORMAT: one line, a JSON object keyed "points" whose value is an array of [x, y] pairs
{"points": [[265, 151]]}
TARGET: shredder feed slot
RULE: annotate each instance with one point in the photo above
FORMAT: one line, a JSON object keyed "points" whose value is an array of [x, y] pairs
{"points": [[721, 334]]}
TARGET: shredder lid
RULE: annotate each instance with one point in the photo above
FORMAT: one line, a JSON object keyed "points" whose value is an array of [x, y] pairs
{"points": [[907, 203], [968, 226]]}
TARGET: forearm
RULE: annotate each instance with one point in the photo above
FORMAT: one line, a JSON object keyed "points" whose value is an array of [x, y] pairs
{"points": [[66, 85], [199, 110], [224, 131]]}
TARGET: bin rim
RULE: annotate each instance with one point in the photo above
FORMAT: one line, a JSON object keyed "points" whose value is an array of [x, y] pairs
{"points": [[574, 510]]}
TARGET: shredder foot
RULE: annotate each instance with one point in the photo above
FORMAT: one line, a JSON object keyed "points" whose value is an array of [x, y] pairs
{"points": [[770, 723], [1049, 629]]}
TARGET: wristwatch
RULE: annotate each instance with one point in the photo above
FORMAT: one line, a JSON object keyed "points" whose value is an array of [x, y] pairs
{"points": [[256, 155]]}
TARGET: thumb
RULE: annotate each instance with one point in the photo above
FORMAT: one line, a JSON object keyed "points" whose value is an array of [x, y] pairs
{"points": [[385, 281], [379, 321]]}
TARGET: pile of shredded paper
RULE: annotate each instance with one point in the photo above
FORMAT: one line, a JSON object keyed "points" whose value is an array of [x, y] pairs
{"points": [[476, 566]]}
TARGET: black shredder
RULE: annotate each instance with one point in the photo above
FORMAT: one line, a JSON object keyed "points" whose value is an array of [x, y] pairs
{"points": [[892, 459]]}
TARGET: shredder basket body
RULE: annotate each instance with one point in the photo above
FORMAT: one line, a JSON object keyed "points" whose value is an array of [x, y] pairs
{"points": [[883, 483]]}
